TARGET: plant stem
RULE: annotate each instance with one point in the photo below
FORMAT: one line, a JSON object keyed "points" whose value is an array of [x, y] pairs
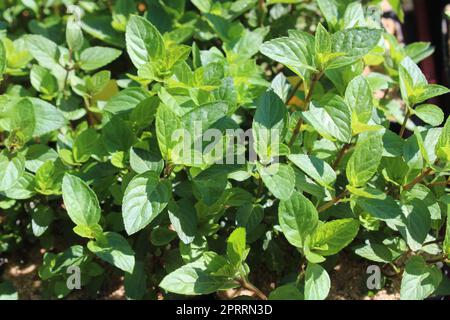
{"points": [[168, 170], [294, 90], [439, 183], [418, 179], [433, 242], [249, 286], [331, 203], [308, 99], [341, 155], [405, 121]]}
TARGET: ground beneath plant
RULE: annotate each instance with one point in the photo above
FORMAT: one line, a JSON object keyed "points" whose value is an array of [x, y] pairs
{"points": [[348, 280]]}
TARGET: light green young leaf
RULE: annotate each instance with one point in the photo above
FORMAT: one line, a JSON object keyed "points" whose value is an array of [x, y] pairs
{"points": [[419, 280], [428, 91], [364, 161], [317, 282], [80, 201], [3, 61], [443, 145], [298, 219], [144, 198], [114, 249]]}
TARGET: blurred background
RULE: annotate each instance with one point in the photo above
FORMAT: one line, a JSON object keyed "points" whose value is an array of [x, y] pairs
{"points": [[427, 20]]}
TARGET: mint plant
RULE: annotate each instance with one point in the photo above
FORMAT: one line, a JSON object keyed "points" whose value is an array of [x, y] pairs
{"points": [[196, 147]]}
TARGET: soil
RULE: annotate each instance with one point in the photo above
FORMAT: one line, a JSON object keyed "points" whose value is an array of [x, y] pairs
{"points": [[348, 282]]}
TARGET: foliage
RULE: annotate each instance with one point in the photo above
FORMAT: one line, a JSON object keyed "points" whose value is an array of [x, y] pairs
{"points": [[348, 153]]}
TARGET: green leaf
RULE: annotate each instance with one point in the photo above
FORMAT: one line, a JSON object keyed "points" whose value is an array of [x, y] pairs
{"points": [[331, 118], [443, 145], [117, 135], [144, 198], [384, 208], [2, 60], [7, 291], [333, 236], [385, 252], [430, 114], [45, 51], [446, 244], [397, 6], [419, 280], [114, 249], [359, 98], [417, 223], [47, 117], [86, 144], [296, 53], [314, 167], [126, 100], [42, 80], [96, 57], [236, 246], [183, 218], [364, 161], [298, 219], [135, 283], [142, 160], [249, 216], [354, 43], [317, 282], [167, 122], [80, 201], [143, 40], [286, 292], [41, 217], [428, 91], [12, 167], [196, 278], [74, 35], [269, 125], [279, 178]]}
